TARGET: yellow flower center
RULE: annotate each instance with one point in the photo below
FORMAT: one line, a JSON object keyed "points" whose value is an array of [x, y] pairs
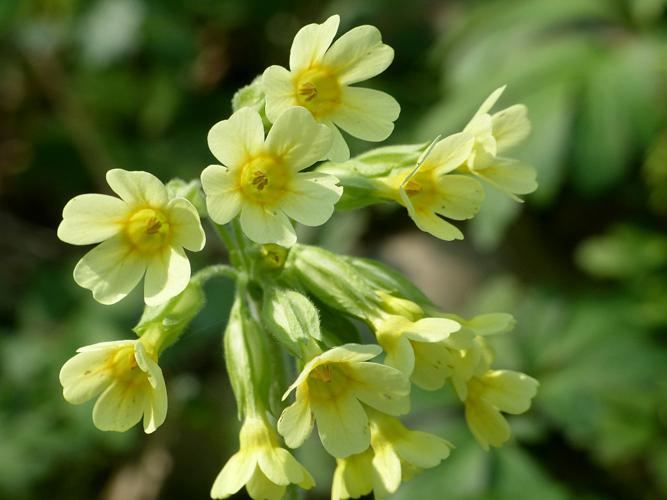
{"points": [[264, 180], [327, 382], [318, 90], [123, 365], [148, 230], [422, 189]]}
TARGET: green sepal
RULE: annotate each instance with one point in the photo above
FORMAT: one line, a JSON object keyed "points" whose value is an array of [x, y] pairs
{"points": [[252, 96], [191, 191]]}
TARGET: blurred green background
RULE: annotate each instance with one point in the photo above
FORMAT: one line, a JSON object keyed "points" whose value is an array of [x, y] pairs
{"points": [[90, 85]]}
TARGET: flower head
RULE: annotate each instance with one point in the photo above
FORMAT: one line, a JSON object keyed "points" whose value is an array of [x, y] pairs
{"points": [[396, 453], [429, 191], [495, 133], [262, 180], [319, 79], [492, 393], [128, 380], [335, 389], [261, 465], [142, 232]]}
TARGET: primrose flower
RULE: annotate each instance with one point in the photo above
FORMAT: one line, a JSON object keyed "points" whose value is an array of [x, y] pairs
{"points": [[319, 79], [430, 190], [395, 455], [126, 377], [416, 347], [142, 232], [493, 135], [335, 388], [261, 178], [492, 393], [261, 465]]}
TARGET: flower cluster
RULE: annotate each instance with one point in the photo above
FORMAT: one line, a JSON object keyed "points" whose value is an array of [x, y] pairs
{"points": [[282, 159]]}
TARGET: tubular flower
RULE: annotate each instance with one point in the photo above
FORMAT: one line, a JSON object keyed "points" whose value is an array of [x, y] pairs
{"points": [[494, 392], [261, 465], [396, 453], [142, 232], [430, 191], [261, 178], [128, 380], [493, 135], [416, 347], [334, 389], [319, 79]]}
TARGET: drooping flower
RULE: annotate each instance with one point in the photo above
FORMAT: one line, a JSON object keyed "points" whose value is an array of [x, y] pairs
{"points": [[142, 232], [261, 465], [334, 389], [320, 79], [126, 377], [396, 454], [430, 192], [490, 394], [495, 134], [262, 179]]}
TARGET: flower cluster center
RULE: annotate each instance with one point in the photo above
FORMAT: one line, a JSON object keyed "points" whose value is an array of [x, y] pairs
{"points": [[318, 90], [148, 230], [264, 180]]}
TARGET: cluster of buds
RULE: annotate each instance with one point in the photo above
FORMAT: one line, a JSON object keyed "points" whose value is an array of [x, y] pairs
{"points": [[293, 349]]}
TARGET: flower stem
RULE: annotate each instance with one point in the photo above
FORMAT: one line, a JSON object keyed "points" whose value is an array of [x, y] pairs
{"points": [[213, 271]]}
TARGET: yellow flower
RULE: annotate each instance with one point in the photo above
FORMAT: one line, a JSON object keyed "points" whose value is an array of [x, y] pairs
{"points": [[140, 232], [430, 191], [416, 348], [262, 180], [490, 394], [396, 453], [261, 465], [493, 135], [335, 388], [319, 79], [127, 379]]}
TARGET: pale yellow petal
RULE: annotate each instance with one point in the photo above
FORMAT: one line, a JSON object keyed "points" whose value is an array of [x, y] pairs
{"points": [[298, 140], [350, 353], [120, 406], [312, 198], [167, 275], [85, 375], [359, 55], [450, 152], [279, 91], [339, 151], [487, 424], [490, 101], [260, 487], [399, 353], [223, 199], [509, 391], [138, 188], [265, 225], [481, 128], [432, 329], [110, 270], [280, 467], [510, 176], [234, 475], [461, 197], [430, 222], [342, 425], [431, 365], [91, 218], [510, 126], [155, 411], [296, 421], [311, 42], [387, 470], [233, 140], [353, 477], [185, 225], [491, 323], [382, 387], [422, 449], [366, 113]]}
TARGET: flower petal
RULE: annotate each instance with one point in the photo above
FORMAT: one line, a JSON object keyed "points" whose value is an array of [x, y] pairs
{"points": [[450, 152], [85, 376], [312, 199], [167, 275], [280, 467], [366, 113], [233, 140], [387, 470], [279, 91], [359, 55], [120, 406], [350, 353], [509, 391], [137, 187], [489, 102], [432, 329], [491, 323], [461, 197], [185, 225], [298, 139], [263, 225], [422, 449], [510, 126], [431, 365], [342, 425], [510, 176], [91, 218], [429, 222], [223, 199], [296, 421], [399, 353], [311, 42], [353, 476], [234, 475], [382, 387], [110, 270], [259, 486], [486, 423], [155, 411], [339, 151]]}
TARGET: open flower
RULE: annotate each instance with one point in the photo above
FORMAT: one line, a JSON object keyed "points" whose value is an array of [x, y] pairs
{"points": [[142, 232], [396, 453], [319, 79], [416, 347], [429, 191], [127, 379], [262, 179], [490, 394], [335, 388], [495, 134], [261, 465]]}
